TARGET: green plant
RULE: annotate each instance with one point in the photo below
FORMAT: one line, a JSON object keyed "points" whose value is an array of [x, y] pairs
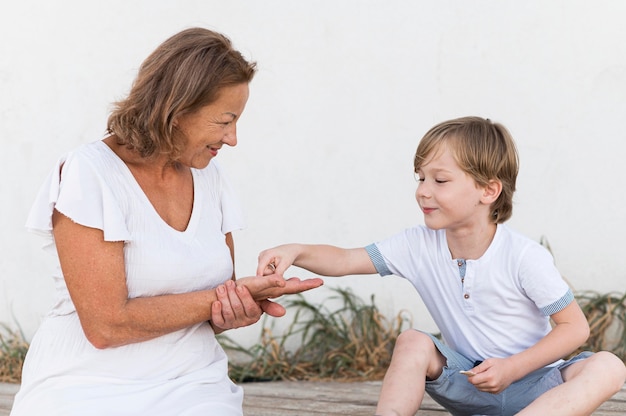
{"points": [[13, 349], [353, 342]]}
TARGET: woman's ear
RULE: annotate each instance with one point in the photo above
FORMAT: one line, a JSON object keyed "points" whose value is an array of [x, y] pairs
{"points": [[491, 191]]}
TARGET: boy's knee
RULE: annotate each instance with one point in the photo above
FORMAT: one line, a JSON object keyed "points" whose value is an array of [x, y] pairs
{"points": [[613, 361], [415, 344], [417, 350], [608, 367], [413, 339], [610, 360], [616, 369]]}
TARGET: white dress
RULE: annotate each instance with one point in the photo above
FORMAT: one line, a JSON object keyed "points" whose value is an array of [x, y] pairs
{"points": [[181, 373]]}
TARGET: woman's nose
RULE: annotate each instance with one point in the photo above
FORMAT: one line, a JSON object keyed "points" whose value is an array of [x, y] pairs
{"points": [[230, 138]]}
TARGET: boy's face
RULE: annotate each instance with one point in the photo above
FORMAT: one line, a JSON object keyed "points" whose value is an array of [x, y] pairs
{"points": [[447, 195]]}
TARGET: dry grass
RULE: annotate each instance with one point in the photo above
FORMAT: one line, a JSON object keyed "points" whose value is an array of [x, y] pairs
{"points": [[351, 343], [606, 314], [12, 352], [355, 342]]}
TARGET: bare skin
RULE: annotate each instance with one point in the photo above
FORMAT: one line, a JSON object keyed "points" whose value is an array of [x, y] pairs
{"points": [[95, 276], [451, 200], [94, 269], [588, 384]]}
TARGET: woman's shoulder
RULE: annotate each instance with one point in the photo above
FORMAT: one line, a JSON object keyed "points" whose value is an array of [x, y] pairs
{"points": [[95, 152], [95, 168]]}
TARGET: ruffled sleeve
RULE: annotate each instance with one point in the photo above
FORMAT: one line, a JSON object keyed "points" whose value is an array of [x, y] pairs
{"points": [[232, 214], [77, 188]]}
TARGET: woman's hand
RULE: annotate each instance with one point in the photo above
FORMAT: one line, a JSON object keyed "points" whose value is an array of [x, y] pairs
{"points": [[234, 308], [261, 290], [237, 307]]}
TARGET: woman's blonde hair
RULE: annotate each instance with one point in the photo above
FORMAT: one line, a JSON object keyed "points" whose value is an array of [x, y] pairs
{"points": [[483, 149], [183, 74]]}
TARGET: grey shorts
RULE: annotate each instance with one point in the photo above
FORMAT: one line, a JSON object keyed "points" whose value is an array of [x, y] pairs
{"points": [[461, 398]]}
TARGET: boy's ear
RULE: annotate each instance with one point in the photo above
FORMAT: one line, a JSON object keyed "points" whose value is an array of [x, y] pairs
{"points": [[492, 191]]}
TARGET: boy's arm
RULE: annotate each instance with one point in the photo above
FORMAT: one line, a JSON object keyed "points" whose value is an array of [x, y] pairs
{"points": [[571, 330], [324, 260]]}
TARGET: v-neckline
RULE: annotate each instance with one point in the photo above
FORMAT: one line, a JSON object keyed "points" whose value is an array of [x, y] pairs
{"points": [[140, 192]]}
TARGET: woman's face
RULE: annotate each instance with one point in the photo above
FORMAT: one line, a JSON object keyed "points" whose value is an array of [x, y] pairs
{"points": [[206, 130]]}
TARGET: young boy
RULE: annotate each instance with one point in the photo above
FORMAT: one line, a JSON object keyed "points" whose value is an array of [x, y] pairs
{"points": [[490, 291]]}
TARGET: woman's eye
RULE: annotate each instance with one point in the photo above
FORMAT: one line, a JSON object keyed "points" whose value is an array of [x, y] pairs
{"points": [[441, 180]]}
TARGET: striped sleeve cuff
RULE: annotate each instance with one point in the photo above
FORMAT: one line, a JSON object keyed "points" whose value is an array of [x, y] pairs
{"points": [[559, 305], [377, 259]]}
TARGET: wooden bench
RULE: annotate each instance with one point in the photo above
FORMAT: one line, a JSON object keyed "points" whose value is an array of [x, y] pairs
{"points": [[303, 398]]}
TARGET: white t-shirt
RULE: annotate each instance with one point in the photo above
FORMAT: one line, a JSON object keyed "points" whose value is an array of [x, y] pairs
{"points": [[502, 305], [181, 373]]}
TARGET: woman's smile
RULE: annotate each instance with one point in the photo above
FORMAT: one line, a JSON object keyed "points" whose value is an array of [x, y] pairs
{"points": [[215, 124]]}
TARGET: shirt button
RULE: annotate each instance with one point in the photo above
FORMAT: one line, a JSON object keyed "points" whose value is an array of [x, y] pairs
{"points": [[466, 296]]}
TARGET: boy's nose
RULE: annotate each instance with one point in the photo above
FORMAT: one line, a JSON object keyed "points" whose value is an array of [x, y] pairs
{"points": [[422, 190]]}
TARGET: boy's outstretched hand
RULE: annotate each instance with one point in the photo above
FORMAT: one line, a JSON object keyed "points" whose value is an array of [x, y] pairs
{"points": [[276, 260]]}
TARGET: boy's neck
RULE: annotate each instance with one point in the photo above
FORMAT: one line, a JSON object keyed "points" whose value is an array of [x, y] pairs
{"points": [[470, 244]]}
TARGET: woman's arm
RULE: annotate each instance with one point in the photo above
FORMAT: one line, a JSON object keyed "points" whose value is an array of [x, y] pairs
{"points": [[95, 276], [233, 308]]}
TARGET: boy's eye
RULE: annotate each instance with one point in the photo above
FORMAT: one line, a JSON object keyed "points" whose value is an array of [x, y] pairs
{"points": [[421, 178]]}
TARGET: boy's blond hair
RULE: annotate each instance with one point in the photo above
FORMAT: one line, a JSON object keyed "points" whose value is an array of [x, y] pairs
{"points": [[483, 149]]}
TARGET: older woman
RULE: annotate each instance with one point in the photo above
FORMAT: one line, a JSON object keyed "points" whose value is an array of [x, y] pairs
{"points": [[141, 225]]}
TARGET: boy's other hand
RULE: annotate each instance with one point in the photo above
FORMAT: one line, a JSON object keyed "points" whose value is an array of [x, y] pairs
{"points": [[492, 375]]}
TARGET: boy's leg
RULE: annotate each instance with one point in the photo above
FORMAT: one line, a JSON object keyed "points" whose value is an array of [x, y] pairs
{"points": [[414, 358], [587, 384]]}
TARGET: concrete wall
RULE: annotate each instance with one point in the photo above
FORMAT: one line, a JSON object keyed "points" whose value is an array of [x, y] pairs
{"points": [[345, 90]]}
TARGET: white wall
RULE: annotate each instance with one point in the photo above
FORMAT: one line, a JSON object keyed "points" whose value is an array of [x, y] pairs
{"points": [[345, 90]]}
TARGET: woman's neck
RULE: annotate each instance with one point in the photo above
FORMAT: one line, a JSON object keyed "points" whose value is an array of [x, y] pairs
{"points": [[152, 166]]}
